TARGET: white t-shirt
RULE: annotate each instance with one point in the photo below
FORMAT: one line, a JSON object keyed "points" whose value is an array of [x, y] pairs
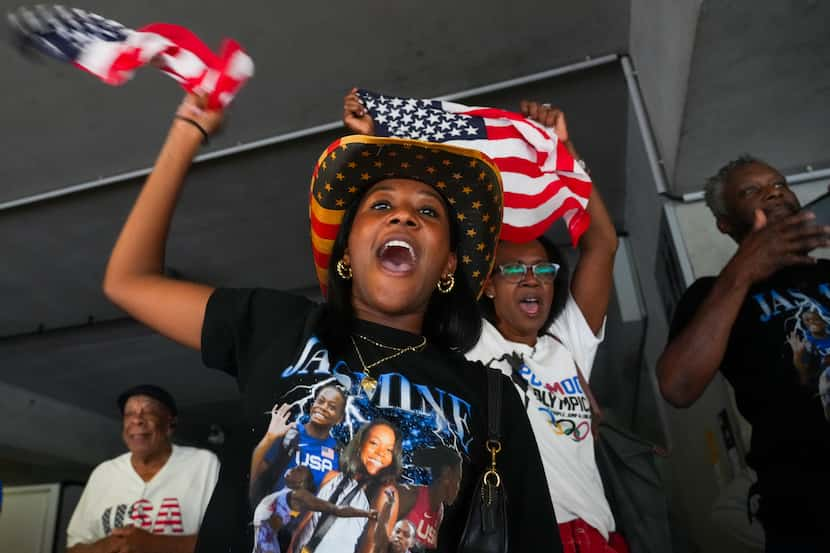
{"points": [[343, 534], [173, 502], [559, 410]]}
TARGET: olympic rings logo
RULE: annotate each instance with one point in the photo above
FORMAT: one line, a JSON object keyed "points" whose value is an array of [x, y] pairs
{"points": [[577, 431]]}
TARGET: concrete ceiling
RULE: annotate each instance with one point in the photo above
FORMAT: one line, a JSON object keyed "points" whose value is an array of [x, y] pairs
{"points": [[759, 82]]}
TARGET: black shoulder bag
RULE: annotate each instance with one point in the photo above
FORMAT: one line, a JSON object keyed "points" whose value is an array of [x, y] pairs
{"points": [[486, 528]]}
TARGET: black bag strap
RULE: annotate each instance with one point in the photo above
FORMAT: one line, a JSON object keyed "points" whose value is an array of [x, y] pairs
{"points": [[493, 404], [491, 480]]}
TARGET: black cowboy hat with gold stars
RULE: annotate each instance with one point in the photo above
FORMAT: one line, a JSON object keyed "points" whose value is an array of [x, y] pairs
{"points": [[467, 179]]}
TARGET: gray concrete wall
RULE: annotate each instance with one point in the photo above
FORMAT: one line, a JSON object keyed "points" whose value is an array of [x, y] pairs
{"points": [[41, 431]]}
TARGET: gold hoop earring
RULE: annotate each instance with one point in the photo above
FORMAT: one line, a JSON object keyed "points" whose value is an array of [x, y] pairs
{"points": [[345, 271], [446, 284]]}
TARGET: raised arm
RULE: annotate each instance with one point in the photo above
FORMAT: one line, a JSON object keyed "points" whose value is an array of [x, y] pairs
{"points": [[593, 275], [383, 524], [134, 278], [695, 353], [277, 429], [381, 544], [355, 115]]}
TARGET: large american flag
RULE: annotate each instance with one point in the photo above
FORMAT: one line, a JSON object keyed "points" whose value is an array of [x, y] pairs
{"points": [[112, 52], [542, 182]]}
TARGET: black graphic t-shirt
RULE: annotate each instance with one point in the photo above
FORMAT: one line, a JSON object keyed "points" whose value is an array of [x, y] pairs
{"points": [[332, 460], [777, 361]]}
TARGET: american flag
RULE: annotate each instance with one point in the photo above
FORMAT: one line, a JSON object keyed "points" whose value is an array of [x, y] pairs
{"points": [[542, 182], [112, 52]]}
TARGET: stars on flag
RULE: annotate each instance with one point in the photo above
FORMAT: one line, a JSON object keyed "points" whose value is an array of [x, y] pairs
{"points": [[421, 119]]}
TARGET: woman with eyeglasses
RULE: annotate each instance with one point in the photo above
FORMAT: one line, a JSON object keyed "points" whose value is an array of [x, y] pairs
{"points": [[543, 332]]}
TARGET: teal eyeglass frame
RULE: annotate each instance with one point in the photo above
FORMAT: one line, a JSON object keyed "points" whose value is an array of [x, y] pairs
{"points": [[516, 272]]}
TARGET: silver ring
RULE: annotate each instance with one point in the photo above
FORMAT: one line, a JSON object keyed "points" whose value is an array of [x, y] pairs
{"points": [[546, 106]]}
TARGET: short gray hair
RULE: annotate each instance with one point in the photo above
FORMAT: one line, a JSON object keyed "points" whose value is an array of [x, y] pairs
{"points": [[713, 188]]}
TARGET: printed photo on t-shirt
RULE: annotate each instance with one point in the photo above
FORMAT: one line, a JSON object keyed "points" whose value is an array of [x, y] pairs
{"points": [[807, 333], [809, 341], [356, 463]]}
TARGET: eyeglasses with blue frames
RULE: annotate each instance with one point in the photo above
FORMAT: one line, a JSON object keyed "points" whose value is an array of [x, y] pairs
{"points": [[516, 272]]}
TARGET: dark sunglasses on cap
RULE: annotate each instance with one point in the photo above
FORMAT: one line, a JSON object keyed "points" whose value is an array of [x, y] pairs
{"points": [[516, 272]]}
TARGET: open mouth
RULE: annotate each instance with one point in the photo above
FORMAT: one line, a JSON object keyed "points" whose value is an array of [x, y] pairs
{"points": [[375, 462], [530, 306], [780, 210], [318, 414], [397, 256]]}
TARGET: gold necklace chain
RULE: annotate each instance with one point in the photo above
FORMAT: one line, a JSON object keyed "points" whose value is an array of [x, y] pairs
{"points": [[416, 347], [369, 383]]}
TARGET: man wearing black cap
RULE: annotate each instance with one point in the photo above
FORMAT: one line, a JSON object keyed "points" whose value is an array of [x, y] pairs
{"points": [[151, 499]]}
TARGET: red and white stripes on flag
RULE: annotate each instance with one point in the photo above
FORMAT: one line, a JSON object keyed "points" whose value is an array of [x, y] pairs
{"points": [[113, 52], [542, 182], [177, 52]]}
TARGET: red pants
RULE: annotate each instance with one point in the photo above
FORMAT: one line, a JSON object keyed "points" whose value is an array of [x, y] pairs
{"points": [[580, 537]]}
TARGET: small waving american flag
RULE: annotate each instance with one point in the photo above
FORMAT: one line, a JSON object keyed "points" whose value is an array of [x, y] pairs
{"points": [[542, 182], [112, 52]]}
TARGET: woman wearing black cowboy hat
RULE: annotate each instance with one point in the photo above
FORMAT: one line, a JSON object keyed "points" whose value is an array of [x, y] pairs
{"points": [[403, 236]]}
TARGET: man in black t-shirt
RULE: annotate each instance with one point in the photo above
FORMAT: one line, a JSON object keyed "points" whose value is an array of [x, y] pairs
{"points": [[762, 323]]}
